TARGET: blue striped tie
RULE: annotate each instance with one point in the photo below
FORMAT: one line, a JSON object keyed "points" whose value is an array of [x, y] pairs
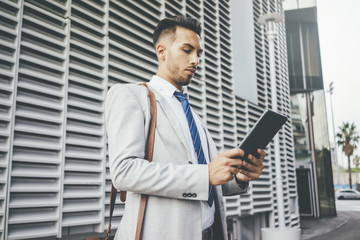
{"points": [[195, 136]]}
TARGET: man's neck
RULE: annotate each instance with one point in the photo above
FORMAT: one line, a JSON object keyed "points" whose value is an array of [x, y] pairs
{"points": [[163, 76]]}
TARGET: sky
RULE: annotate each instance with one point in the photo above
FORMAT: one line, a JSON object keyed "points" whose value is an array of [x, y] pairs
{"points": [[339, 34]]}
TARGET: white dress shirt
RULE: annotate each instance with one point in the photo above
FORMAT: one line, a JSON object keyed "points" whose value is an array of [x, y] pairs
{"points": [[167, 90]]}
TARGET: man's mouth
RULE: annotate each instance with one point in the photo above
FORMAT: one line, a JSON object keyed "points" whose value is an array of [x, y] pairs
{"points": [[191, 70]]}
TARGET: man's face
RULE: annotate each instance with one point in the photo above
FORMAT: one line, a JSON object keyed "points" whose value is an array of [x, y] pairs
{"points": [[182, 57]]}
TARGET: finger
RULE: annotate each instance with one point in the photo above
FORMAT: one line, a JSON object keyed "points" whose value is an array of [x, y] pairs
{"points": [[236, 163], [252, 168], [255, 161], [249, 174], [262, 153], [234, 170], [243, 178], [235, 152], [232, 176]]}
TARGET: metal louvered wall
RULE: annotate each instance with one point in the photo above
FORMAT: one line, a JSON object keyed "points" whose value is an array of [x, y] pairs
{"points": [[58, 59], [262, 196]]}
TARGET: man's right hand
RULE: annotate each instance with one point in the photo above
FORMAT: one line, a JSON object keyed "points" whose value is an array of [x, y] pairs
{"points": [[224, 166]]}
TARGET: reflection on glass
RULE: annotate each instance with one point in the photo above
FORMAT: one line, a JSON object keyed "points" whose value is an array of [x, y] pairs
{"points": [[316, 108]]}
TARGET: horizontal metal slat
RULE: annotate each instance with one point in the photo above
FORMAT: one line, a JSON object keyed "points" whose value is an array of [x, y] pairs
{"points": [[88, 28], [8, 19], [88, 61], [43, 28], [83, 142], [73, 166], [7, 60], [58, 8], [95, 19], [36, 145], [44, 12], [8, 31], [81, 195], [31, 101], [85, 130], [41, 116], [83, 155], [86, 38], [30, 201], [75, 67], [57, 56], [32, 185], [32, 230], [84, 219], [42, 64], [38, 88], [38, 130], [80, 208]]}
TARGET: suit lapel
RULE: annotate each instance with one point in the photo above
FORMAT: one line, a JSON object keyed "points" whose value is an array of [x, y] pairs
{"points": [[169, 112]]}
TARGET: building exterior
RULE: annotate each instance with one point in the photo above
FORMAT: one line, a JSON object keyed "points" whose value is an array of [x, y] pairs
{"points": [[309, 119], [58, 59]]}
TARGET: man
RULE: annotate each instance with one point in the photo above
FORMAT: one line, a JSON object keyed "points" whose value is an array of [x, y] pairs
{"points": [[186, 178]]}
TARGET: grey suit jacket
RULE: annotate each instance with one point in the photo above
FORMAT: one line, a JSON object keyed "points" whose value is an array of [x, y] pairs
{"points": [[170, 214]]}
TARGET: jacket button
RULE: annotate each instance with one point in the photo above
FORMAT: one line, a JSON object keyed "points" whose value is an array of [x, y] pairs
{"points": [[184, 195], [189, 195], [194, 195]]}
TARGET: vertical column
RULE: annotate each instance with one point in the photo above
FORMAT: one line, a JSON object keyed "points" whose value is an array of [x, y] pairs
{"points": [[227, 86], [286, 132], [83, 176], [212, 73], [35, 171], [197, 87], [10, 26]]}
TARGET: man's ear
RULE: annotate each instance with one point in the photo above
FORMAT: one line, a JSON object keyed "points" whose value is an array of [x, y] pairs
{"points": [[161, 51]]}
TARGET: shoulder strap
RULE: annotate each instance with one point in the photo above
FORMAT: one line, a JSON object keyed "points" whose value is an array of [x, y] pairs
{"points": [[149, 156]]}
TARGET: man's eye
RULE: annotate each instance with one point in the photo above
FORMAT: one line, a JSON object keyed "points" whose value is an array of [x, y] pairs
{"points": [[187, 50]]}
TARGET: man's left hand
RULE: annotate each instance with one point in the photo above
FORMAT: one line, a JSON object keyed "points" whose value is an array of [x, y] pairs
{"points": [[254, 168]]}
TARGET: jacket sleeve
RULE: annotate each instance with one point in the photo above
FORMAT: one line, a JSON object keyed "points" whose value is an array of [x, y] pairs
{"points": [[127, 117]]}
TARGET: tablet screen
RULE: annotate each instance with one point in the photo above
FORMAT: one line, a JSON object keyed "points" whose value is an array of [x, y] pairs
{"points": [[262, 132]]}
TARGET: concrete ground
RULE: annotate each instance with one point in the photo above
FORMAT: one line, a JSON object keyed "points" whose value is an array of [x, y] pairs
{"points": [[345, 226]]}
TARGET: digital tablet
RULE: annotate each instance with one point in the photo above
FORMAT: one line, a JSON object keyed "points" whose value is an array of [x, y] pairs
{"points": [[261, 133]]}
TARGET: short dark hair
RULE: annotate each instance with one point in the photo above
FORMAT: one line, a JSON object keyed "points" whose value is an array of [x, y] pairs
{"points": [[168, 25]]}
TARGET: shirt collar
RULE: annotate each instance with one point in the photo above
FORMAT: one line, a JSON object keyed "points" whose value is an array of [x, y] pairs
{"points": [[163, 86]]}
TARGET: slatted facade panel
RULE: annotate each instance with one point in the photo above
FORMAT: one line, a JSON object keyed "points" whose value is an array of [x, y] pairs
{"points": [[9, 37], [236, 205], [212, 72], [196, 89], [227, 88], [84, 166], [262, 70], [131, 58], [287, 133], [261, 188], [131, 54], [34, 190], [262, 196]]}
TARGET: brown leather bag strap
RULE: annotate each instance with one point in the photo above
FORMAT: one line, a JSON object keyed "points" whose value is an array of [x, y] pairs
{"points": [[112, 205], [151, 135], [149, 156]]}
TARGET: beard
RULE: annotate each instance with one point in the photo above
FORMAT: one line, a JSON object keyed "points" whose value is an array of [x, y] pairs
{"points": [[177, 75]]}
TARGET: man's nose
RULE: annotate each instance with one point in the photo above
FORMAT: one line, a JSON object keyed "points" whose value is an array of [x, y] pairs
{"points": [[195, 60]]}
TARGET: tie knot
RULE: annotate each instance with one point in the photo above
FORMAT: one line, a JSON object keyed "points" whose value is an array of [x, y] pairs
{"points": [[180, 96]]}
